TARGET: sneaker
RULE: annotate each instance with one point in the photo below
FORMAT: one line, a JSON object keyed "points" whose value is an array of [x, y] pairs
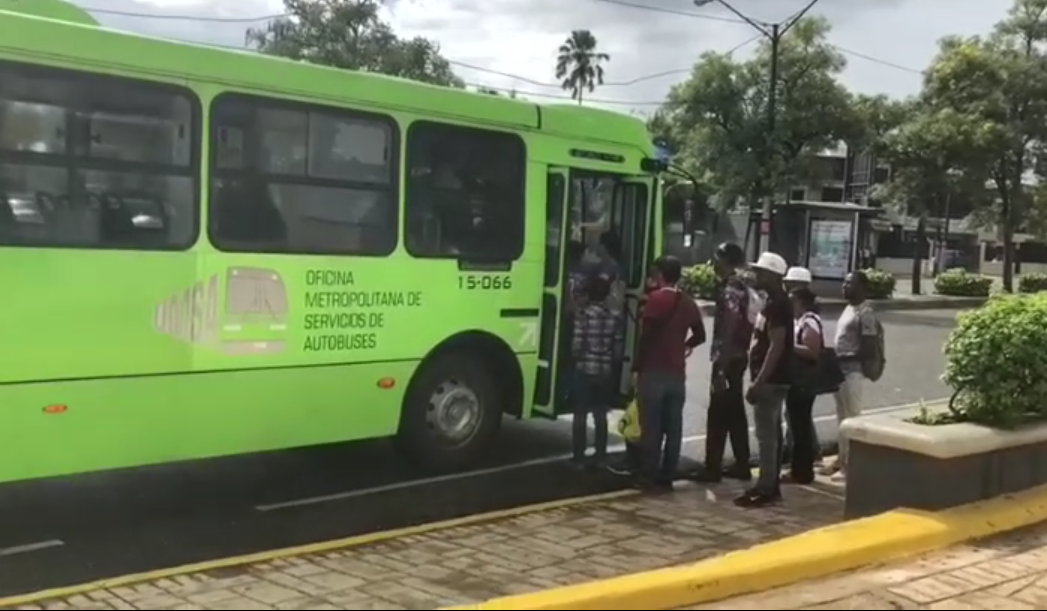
{"points": [[755, 499], [621, 469], [839, 477]]}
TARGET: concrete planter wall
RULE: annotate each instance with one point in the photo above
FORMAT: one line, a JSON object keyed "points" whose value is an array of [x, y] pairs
{"points": [[895, 464]]}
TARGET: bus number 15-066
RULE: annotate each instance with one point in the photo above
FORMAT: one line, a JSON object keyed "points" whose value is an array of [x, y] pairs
{"points": [[484, 282]]}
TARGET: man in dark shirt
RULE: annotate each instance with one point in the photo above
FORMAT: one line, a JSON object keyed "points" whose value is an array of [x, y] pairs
{"points": [[671, 327], [770, 359], [732, 332]]}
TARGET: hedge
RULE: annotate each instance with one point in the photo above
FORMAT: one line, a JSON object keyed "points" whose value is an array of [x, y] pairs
{"points": [[996, 362], [1032, 283], [881, 283], [700, 281], [959, 282]]}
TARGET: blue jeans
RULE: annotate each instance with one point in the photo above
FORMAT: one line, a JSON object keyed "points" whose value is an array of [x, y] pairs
{"points": [[767, 418], [661, 397]]}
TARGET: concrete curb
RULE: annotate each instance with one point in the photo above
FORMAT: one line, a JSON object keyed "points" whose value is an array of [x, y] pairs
{"points": [[890, 305], [814, 554]]}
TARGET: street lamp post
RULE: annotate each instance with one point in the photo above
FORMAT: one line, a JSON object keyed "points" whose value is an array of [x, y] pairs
{"points": [[773, 32]]}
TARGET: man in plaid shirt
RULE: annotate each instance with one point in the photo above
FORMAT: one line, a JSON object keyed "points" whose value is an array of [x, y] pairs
{"points": [[596, 349]]}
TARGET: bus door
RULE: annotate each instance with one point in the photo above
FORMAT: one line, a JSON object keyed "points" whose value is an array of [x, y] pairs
{"points": [[549, 391], [630, 221]]}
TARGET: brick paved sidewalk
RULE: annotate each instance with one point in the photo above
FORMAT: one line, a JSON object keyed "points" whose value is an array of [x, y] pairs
{"points": [[1007, 572], [473, 563]]}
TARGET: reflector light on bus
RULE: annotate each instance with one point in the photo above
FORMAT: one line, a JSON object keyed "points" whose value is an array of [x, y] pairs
{"points": [[56, 409], [386, 383]]}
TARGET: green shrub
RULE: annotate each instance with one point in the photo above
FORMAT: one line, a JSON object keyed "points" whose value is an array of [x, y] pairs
{"points": [[1032, 283], [881, 283], [996, 361], [700, 281], [959, 282]]}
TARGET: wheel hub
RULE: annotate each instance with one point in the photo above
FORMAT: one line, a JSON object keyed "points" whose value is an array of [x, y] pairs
{"points": [[454, 412]]}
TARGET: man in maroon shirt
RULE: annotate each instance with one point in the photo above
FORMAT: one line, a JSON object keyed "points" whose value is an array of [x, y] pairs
{"points": [[670, 329]]}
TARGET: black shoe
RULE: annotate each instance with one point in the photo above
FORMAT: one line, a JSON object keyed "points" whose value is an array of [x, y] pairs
{"points": [[754, 498], [738, 472], [649, 486], [706, 476]]}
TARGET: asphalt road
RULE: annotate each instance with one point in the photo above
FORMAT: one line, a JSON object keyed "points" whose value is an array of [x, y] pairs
{"points": [[67, 531]]}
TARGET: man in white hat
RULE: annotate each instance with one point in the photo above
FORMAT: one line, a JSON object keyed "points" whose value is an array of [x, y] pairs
{"points": [[770, 359]]}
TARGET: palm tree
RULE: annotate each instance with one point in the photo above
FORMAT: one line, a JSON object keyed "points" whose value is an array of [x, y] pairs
{"points": [[578, 65]]}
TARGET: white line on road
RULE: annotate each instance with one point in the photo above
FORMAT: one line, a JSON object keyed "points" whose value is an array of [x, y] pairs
{"points": [[30, 547], [338, 496]]}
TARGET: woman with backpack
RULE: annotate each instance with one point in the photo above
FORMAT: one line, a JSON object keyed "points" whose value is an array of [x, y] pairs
{"points": [[799, 402]]}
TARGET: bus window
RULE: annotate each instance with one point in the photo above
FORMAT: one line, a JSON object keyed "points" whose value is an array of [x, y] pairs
{"points": [[304, 179], [465, 193], [96, 161]]}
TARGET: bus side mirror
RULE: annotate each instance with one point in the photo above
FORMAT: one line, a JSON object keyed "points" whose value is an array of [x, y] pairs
{"points": [[651, 165]]}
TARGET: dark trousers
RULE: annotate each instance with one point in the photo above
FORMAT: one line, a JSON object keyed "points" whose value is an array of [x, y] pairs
{"points": [[661, 397], [591, 397], [799, 405], [726, 419]]}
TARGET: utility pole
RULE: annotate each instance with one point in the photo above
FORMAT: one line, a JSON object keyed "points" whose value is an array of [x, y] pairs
{"points": [[774, 33]]}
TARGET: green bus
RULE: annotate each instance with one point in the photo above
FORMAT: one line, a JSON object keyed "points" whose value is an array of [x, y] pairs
{"points": [[209, 252]]}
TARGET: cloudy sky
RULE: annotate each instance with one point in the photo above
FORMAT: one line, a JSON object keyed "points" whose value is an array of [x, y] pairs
{"points": [[512, 43]]}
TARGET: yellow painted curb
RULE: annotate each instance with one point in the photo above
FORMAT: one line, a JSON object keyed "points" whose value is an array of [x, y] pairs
{"points": [[301, 550], [817, 553]]}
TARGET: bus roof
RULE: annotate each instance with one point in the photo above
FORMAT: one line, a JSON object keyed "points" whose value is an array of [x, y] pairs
{"points": [[79, 39]]}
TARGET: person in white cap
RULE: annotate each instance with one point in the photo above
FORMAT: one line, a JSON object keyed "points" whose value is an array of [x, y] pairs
{"points": [[770, 364], [797, 277]]}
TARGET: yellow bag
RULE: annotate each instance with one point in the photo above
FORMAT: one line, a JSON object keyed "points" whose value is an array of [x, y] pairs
{"points": [[629, 423]]}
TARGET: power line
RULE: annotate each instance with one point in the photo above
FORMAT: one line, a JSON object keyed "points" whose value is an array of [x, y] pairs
{"points": [[529, 81], [199, 18]]}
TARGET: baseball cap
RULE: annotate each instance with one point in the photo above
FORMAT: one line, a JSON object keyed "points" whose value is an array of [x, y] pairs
{"points": [[730, 253], [798, 274], [771, 262]]}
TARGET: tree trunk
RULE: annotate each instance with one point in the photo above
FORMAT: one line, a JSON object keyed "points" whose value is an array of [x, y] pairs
{"points": [[917, 255], [1007, 236]]}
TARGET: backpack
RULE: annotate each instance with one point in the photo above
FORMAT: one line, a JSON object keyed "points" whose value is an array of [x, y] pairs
{"points": [[873, 366]]}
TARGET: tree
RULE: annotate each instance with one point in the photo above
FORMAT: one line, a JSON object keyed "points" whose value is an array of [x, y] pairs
{"points": [[1000, 84], [720, 115], [350, 34], [933, 159], [579, 66]]}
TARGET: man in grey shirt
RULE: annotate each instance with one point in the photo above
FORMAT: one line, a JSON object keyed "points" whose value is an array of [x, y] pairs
{"points": [[856, 337]]}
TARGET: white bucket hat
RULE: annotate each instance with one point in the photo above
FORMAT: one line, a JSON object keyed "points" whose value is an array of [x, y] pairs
{"points": [[772, 263], [798, 274]]}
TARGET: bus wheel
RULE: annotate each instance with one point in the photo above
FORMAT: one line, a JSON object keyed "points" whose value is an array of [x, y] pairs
{"points": [[451, 413]]}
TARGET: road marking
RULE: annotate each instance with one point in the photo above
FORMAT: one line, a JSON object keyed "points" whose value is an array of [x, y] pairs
{"points": [[349, 494], [30, 547], [304, 550]]}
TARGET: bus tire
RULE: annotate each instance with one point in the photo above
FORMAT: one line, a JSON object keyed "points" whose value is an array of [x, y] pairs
{"points": [[451, 413]]}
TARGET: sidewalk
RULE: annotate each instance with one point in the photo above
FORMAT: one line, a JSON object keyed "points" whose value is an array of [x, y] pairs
{"points": [[1005, 572], [445, 566]]}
